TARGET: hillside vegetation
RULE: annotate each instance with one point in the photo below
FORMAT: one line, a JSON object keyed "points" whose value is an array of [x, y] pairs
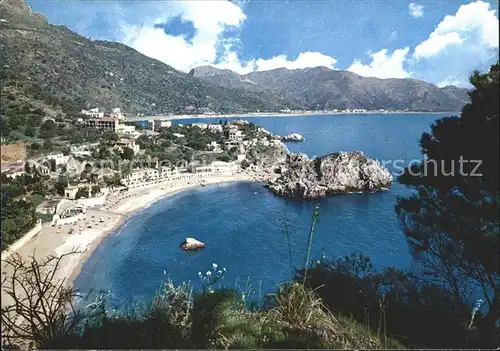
{"points": [[52, 67]]}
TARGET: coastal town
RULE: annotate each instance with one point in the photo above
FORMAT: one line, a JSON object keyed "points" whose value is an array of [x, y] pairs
{"points": [[73, 194], [76, 193]]}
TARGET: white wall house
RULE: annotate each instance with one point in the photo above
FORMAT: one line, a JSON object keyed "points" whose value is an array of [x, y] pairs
{"points": [[122, 143], [141, 176], [125, 129], [59, 158], [217, 168], [235, 135]]}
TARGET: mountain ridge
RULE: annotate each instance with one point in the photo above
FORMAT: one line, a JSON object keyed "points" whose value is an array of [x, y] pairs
{"points": [[51, 67], [325, 88]]}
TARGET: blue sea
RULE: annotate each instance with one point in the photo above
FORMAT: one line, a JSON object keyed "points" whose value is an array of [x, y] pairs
{"points": [[244, 225]]}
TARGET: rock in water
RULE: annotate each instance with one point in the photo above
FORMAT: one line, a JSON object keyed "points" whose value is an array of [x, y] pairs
{"points": [[336, 173], [192, 244], [293, 137]]}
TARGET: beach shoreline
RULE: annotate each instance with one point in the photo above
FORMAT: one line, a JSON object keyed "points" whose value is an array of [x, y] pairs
{"points": [[56, 241]]}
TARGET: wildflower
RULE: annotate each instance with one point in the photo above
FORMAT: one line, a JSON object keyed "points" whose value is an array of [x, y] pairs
{"points": [[200, 275], [477, 306], [475, 309], [209, 273], [224, 269], [214, 265]]}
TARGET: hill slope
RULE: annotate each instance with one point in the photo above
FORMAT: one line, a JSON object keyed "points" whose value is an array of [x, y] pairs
{"points": [[323, 88], [59, 69]]}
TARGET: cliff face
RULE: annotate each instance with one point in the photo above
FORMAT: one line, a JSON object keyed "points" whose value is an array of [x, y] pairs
{"points": [[337, 173]]}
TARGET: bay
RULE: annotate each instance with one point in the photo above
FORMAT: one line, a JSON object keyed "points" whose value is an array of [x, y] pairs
{"points": [[243, 224]]}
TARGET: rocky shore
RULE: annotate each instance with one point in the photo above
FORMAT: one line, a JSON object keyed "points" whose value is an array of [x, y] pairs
{"points": [[336, 173]]}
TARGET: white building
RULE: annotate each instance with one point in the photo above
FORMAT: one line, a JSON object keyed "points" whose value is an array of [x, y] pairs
{"points": [[141, 177], [59, 158], [117, 113], [13, 171], [235, 135], [231, 144], [217, 168], [125, 129], [165, 124], [123, 143], [93, 113], [214, 146], [68, 211], [103, 124]]}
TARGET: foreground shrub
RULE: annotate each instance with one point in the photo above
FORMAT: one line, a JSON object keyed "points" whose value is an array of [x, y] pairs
{"points": [[396, 303]]}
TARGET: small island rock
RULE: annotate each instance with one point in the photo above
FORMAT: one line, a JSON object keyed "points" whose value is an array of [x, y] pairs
{"points": [[293, 137], [336, 173], [192, 244]]}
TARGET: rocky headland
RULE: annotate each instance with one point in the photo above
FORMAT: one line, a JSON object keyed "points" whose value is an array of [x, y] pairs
{"points": [[336, 173]]}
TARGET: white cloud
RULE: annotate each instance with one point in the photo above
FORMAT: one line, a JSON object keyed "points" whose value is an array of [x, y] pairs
{"points": [[231, 62], [416, 10], [460, 44], [473, 23], [304, 60], [209, 18], [383, 65], [450, 80]]}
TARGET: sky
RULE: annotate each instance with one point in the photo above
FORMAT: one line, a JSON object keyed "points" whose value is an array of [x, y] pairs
{"points": [[438, 41]]}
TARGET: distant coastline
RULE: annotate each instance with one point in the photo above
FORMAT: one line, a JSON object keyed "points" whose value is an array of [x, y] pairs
{"points": [[277, 114]]}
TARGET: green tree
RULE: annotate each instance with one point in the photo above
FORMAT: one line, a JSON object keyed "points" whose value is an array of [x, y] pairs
{"points": [[95, 189], [451, 221], [82, 192], [245, 164], [127, 153], [110, 138], [48, 145], [30, 131], [59, 187], [48, 129]]}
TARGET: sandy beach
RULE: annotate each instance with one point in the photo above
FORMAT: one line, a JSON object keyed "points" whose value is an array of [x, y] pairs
{"points": [[85, 235]]}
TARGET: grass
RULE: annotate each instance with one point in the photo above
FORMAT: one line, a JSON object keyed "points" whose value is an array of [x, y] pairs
{"points": [[181, 318]]}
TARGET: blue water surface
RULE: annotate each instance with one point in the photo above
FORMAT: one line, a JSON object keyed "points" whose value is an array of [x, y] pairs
{"points": [[243, 223]]}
